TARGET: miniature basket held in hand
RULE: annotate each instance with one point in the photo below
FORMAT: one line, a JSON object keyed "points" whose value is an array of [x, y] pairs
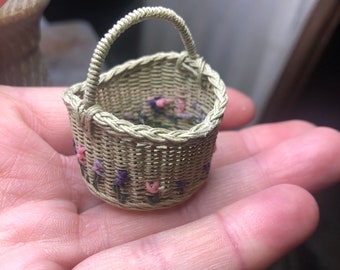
{"points": [[145, 131]]}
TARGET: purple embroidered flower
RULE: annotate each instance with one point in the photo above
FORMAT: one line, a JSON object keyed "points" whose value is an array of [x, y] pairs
{"points": [[152, 103], [141, 117], [81, 155], [201, 115], [152, 187], [98, 168], [122, 179], [181, 185], [206, 167], [194, 105], [74, 146], [123, 174], [163, 102]]}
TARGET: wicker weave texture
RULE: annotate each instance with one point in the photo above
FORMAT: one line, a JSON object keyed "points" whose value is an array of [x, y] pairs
{"points": [[20, 58], [130, 155]]}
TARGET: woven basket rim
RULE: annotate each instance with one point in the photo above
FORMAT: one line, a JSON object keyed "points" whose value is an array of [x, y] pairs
{"points": [[155, 134]]}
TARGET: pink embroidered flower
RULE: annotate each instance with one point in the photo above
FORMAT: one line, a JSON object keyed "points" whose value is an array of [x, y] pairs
{"points": [[152, 187], [81, 155], [163, 102], [159, 103], [180, 106], [180, 109]]}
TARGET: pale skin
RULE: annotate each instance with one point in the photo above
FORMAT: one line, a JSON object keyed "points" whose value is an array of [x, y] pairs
{"points": [[256, 206]]}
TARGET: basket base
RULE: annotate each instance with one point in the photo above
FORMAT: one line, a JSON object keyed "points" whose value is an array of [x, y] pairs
{"points": [[153, 202]]}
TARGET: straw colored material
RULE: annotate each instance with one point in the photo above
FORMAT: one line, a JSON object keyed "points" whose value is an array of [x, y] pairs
{"points": [[20, 59], [145, 131]]}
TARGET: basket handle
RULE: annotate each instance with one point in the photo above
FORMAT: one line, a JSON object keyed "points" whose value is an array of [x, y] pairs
{"points": [[122, 25]]}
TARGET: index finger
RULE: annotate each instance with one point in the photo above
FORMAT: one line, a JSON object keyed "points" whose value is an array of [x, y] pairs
{"points": [[53, 123], [240, 110]]}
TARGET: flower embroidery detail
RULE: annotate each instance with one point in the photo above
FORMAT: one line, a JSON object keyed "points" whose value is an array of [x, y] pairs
{"points": [[142, 117], [194, 104], [122, 179], [174, 109], [163, 102], [152, 103], [200, 112], [206, 167], [98, 168], [74, 147], [81, 155], [158, 103], [201, 115], [181, 185], [152, 187], [180, 105]]}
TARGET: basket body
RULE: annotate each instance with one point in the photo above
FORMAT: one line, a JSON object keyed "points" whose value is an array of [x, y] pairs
{"points": [[135, 155]]}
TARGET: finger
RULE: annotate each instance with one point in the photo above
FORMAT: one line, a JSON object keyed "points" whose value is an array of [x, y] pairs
{"points": [[30, 169], [233, 146], [311, 169], [240, 110], [51, 122], [43, 110], [40, 233], [2, 2], [103, 226], [250, 234], [306, 160]]}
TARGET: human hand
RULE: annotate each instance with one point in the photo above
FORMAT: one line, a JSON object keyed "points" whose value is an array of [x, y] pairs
{"points": [[254, 208], [2, 2]]}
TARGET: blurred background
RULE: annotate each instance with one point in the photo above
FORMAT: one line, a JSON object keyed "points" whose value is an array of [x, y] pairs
{"points": [[283, 54], [267, 49]]}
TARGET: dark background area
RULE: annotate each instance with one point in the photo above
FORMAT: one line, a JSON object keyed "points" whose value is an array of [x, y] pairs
{"points": [[319, 103], [101, 15], [320, 99]]}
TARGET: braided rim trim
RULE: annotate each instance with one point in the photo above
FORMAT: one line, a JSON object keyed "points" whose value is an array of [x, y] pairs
{"points": [[97, 116]]}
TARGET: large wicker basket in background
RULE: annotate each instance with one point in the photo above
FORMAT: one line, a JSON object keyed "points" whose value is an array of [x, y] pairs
{"points": [[145, 131], [21, 63]]}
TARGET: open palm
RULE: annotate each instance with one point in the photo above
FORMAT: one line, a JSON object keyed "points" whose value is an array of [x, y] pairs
{"points": [[254, 208]]}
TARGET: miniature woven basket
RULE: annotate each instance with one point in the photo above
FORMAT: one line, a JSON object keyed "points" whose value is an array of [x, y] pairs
{"points": [[145, 131]]}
